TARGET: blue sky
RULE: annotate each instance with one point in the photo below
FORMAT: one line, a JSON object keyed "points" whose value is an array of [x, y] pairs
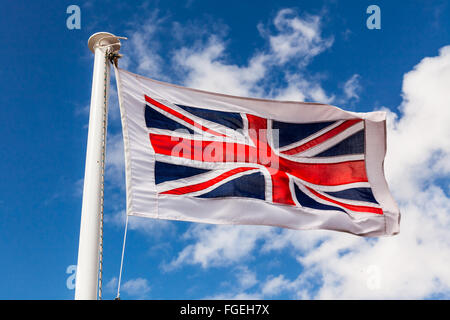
{"points": [[46, 83]]}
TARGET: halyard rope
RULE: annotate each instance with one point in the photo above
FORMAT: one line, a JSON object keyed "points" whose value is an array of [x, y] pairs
{"points": [[121, 260], [102, 189]]}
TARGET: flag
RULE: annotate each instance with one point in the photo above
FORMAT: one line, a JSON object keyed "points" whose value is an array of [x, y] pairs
{"points": [[199, 156]]}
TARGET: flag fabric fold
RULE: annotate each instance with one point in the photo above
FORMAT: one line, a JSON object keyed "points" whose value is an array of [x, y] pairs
{"points": [[199, 156]]}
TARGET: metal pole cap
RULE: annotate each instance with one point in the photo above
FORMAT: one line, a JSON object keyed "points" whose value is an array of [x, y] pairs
{"points": [[104, 39]]}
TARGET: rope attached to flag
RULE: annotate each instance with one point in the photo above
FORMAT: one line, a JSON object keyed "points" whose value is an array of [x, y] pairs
{"points": [[102, 190], [121, 260]]}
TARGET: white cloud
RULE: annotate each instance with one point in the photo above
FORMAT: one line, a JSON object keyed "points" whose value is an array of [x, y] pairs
{"points": [[352, 87], [111, 285], [143, 47], [274, 285], [422, 133], [206, 69], [300, 89], [219, 245], [138, 287], [82, 110], [297, 37], [246, 278], [294, 39], [251, 289]]}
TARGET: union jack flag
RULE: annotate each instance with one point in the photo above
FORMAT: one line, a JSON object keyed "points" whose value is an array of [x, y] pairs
{"points": [[315, 165], [199, 156]]}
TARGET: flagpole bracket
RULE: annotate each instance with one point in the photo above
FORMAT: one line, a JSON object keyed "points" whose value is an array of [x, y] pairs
{"points": [[114, 57]]}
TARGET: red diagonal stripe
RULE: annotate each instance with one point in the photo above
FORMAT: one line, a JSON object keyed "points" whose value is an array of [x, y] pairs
{"points": [[257, 129], [322, 138], [206, 184], [181, 116], [348, 206]]}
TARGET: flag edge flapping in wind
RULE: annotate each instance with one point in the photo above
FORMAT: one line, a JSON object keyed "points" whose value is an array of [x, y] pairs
{"points": [[143, 199]]}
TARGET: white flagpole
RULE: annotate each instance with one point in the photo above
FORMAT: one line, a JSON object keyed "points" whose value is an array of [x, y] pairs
{"points": [[86, 284]]}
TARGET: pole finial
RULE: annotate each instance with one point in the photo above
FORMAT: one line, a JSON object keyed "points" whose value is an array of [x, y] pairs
{"points": [[104, 39]]}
